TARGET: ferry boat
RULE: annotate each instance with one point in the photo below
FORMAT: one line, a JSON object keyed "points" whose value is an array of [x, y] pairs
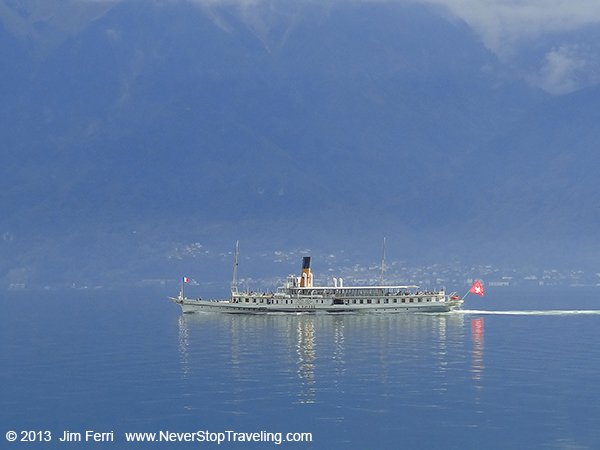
{"points": [[299, 295]]}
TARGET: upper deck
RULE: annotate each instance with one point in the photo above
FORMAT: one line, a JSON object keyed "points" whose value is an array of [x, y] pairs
{"points": [[302, 287]]}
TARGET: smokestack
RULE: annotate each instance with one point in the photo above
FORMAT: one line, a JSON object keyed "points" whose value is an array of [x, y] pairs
{"points": [[306, 279]]}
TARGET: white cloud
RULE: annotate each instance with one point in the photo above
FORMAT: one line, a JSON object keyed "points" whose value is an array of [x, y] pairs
{"points": [[566, 69], [561, 69], [537, 40], [502, 23]]}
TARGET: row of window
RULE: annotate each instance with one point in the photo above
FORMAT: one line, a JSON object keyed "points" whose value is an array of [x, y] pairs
{"points": [[269, 301], [346, 301], [387, 300]]}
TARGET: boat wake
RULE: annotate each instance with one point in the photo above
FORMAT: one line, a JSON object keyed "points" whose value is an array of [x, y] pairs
{"points": [[555, 312]]}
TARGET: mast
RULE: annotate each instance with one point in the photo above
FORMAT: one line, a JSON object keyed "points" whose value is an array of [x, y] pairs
{"points": [[183, 281], [383, 261], [234, 281]]}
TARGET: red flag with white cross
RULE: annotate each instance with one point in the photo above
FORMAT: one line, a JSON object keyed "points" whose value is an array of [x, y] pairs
{"points": [[477, 288]]}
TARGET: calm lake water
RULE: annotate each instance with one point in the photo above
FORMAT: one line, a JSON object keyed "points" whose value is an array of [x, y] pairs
{"points": [[131, 362]]}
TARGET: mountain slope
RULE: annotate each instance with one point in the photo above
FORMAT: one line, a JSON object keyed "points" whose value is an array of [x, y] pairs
{"points": [[302, 125]]}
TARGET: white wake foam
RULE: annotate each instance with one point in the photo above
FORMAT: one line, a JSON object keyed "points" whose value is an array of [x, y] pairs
{"points": [[550, 312]]}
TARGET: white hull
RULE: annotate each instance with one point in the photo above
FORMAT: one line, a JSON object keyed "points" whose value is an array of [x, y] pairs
{"points": [[312, 307]]}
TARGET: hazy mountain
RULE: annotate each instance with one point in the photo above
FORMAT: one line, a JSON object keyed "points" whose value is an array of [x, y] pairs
{"points": [[131, 129]]}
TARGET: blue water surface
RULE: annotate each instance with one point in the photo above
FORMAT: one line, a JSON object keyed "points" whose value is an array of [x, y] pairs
{"points": [[131, 362]]}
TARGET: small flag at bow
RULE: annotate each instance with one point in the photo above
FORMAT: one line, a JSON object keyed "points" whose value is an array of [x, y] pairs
{"points": [[186, 280], [477, 288]]}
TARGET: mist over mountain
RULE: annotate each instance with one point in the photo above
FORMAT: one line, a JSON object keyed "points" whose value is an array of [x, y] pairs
{"points": [[133, 130]]}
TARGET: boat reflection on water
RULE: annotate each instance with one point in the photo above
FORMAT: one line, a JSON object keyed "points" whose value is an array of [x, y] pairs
{"points": [[308, 353], [184, 344], [305, 351], [477, 365]]}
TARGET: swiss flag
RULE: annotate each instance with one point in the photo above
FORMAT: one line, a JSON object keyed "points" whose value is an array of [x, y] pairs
{"points": [[477, 288]]}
